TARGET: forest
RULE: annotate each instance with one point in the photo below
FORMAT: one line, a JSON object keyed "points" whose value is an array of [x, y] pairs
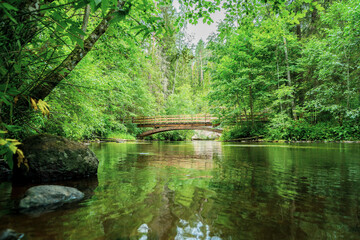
{"points": [[81, 69]]}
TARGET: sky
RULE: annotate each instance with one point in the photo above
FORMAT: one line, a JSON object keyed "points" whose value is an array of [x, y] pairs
{"points": [[201, 30]]}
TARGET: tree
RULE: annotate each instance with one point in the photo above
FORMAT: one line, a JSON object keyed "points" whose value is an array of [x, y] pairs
{"points": [[41, 45]]}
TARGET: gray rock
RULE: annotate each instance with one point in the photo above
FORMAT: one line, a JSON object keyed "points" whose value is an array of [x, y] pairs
{"points": [[205, 135], [45, 195], [10, 234], [53, 158]]}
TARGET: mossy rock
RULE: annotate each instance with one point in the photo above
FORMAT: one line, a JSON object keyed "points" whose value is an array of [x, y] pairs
{"points": [[53, 158]]}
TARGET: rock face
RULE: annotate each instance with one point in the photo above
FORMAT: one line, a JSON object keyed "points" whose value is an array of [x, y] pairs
{"points": [[45, 195], [205, 135], [53, 158], [5, 172]]}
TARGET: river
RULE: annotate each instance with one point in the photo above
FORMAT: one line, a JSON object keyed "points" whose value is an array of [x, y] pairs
{"points": [[205, 190]]}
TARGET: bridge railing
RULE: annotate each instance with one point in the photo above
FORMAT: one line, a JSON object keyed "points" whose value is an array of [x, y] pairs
{"points": [[168, 119], [205, 119]]}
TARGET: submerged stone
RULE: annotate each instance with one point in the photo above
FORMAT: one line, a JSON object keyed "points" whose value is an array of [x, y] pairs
{"points": [[53, 158], [49, 195]]}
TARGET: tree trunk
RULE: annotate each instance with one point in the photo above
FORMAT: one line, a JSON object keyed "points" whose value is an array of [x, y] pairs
{"points": [[238, 106], [251, 105], [85, 20], [201, 71], [278, 76], [298, 31], [174, 84], [246, 116], [251, 99], [347, 81], [192, 74], [63, 70], [298, 26], [293, 112]]}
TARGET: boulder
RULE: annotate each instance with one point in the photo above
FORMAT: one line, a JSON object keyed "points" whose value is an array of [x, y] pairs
{"points": [[53, 158], [205, 135], [5, 171], [10, 234], [49, 195]]}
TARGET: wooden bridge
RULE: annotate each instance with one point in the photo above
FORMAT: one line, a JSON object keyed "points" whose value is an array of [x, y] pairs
{"points": [[176, 122], [204, 122]]}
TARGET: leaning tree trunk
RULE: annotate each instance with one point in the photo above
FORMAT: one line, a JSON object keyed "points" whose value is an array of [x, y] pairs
{"points": [[63, 70]]}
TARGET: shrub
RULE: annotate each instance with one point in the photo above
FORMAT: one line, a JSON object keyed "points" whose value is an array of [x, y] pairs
{"points": [[282, 127], [243, 131]]}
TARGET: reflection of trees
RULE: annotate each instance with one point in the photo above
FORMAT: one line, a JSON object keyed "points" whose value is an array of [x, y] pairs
{"points": [[248, 192], [254, 193], [284, 192]]}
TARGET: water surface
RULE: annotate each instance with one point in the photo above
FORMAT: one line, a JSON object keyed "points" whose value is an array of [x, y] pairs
{"points": [[205, 190]]}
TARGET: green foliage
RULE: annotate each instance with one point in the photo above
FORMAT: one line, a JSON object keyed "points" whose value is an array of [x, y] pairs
{"points": [[8, 148], [39, 40], [181, 135], [282, 127], [295, 61], [243, 131]]}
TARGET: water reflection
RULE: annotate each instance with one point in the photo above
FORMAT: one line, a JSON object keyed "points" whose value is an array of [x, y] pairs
{"points": [[209, 190]]}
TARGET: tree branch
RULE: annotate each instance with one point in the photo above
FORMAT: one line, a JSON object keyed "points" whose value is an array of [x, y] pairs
{"points": [[54, 78]]}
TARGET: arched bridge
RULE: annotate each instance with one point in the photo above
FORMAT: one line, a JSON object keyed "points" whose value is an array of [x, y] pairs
{"points": [[204, 122], [176, 122]]}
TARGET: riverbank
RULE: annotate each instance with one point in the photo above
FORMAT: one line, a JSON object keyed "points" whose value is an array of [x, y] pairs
{"points": [[288, 141], [293, 131], [118, 140]]}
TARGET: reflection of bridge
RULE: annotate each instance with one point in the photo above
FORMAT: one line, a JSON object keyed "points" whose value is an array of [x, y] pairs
{"points": [[177, 122]]}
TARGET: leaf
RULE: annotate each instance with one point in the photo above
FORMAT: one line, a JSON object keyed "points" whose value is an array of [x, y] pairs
{"points": [[12, 128], [9, 159], [16, 98], [4, 99], [12, 148], [59, 20], [319, 7], [3, 142], [9, 15], [73, 29], [76, 39], [33, 104], [13, 141], [104, 6], [9, 7], [3, 71], [21, 159], [118, 16], [44, 107], [146, 35]]}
